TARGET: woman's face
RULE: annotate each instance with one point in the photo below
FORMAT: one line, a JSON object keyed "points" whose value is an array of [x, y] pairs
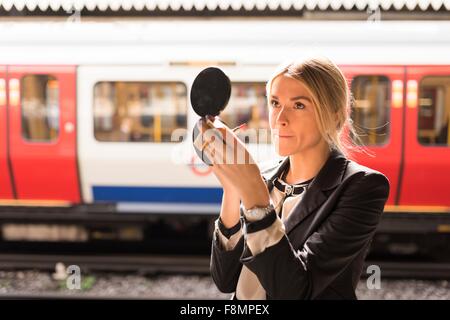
{"points": [[292, 118]]}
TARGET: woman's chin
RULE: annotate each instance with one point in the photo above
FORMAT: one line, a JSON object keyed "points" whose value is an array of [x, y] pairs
{"points": [[283, 151]]}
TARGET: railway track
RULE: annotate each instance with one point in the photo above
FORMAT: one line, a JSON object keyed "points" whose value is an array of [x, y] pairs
{"points": [[143, 264], [193, 264], [412, 269]]}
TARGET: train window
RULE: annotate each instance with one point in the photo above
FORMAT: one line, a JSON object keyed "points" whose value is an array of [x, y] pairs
{"points": [[434, 111], [248, 104], [371, 109], [40, 108], [139, 111]]}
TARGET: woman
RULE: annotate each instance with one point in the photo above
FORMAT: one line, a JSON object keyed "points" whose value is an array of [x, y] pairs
{"points": [[300, 229]]}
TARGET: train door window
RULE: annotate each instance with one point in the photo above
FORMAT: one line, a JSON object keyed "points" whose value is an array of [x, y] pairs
{"points": [[139, 111], [434, 111], [371, 109], [248, 104], [40, 107]]}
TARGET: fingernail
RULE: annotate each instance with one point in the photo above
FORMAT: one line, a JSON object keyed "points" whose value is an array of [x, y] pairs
{"points": [[242, 126]]}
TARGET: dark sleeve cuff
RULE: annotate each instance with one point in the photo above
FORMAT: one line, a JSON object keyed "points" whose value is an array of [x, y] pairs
{"points": [[228, 232], [259, 225]]}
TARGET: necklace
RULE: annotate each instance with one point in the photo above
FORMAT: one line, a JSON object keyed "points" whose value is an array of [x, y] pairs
{"points": [[289, 189]]}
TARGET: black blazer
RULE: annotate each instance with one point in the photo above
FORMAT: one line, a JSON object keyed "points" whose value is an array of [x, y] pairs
{"points": [[327, 237]]}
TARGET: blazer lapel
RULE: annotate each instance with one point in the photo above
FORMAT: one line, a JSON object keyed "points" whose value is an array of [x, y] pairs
{"points": [[274, 172], [328, 178]]}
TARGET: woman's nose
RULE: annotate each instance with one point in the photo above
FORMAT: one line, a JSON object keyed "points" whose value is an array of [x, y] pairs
{"points": [[281, 118], [282, 123]]}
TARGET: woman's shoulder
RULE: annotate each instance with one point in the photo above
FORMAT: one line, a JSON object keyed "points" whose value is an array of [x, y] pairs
{"points": [[364, 174]]}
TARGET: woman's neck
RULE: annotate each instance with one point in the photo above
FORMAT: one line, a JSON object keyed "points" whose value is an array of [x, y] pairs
{"points": [[307, 164]]}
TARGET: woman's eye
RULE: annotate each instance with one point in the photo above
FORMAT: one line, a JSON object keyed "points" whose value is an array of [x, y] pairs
{"points": [[299, 105], [274, 104]]}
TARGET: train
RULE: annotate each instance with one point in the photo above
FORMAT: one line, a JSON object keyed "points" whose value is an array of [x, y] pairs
{"points": [[96, 121]]}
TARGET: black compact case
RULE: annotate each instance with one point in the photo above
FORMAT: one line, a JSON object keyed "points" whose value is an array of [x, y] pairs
{"points": [[209, 95]]}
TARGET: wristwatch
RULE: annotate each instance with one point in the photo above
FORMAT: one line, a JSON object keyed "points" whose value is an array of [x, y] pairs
{"points": [[257, 213]]}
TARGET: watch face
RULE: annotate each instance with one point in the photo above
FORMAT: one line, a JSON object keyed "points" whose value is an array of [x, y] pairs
{"points": [[253, 214], [259, 213]]}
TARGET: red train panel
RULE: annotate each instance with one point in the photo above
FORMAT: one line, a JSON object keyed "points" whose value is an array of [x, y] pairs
{"points": [[42, 122], [6, 191], [387, 157], [426, 175]]}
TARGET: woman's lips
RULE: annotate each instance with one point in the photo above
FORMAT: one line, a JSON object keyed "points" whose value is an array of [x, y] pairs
{"points": [[284, 136]]}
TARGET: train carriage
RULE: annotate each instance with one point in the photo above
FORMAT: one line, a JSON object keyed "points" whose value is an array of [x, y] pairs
{"points": [[95, 116]]}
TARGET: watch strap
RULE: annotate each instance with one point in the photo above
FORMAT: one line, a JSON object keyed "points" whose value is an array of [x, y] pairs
{"points": [[255, 226]]}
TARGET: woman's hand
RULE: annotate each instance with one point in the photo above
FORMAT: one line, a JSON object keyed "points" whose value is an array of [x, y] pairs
{"points": [[233, 165]]}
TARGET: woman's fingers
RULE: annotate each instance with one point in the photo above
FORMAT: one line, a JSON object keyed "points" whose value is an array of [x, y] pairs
{"points": [[228, 149]]}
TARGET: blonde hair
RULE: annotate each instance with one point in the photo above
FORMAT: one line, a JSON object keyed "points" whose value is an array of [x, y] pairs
{"points": [[331, 97]]}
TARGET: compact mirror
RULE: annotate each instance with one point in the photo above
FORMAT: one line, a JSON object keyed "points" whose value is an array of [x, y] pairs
{"points": [[210, 94]]}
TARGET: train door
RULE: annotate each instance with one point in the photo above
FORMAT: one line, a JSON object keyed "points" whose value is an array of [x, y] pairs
{"points": [[42, 137], [377, 117], [6, 189], [426, 176]]}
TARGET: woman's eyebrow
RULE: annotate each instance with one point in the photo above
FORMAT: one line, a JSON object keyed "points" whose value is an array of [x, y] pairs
{"points": [[301, 97], [297, 98]]}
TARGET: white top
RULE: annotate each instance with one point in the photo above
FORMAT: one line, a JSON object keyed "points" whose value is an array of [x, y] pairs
{"points": [[248, 286]]}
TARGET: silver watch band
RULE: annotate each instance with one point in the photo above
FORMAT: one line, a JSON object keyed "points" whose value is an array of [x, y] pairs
{"points": [[258, 213]]}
